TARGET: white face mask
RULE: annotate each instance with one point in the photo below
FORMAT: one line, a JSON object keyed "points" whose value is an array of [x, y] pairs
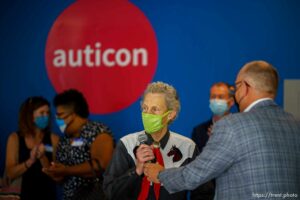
{"points": [[61, 125]]}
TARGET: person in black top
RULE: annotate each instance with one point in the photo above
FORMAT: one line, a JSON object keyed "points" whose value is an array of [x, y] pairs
{"points": [[124, 178], [221, 100], [31, 148], [83, 143]]}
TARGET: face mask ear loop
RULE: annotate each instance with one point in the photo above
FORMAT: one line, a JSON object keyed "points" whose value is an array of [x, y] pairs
{"points": [[168, 116]]}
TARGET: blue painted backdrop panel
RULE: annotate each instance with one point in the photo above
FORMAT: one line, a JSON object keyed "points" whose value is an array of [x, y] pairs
{"points": [[200, 42]]}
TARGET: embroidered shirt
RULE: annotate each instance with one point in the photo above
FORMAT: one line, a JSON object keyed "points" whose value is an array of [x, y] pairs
{"points": [[120, 179]]}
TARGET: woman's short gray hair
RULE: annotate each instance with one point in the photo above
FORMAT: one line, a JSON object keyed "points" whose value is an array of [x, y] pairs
{"points": [[171, 96]]}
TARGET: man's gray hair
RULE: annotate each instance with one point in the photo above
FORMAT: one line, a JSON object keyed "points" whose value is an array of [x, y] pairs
{"points": [[263, 76]]}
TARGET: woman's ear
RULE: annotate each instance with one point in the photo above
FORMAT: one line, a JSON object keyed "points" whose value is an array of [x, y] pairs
{"points": [[172, 115]]}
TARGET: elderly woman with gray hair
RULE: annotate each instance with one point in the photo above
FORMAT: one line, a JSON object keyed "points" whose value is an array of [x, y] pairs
{"points": [[124, 177]]}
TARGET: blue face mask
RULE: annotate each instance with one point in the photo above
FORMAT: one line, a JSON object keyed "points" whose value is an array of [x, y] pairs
{"points": [[61, 125], [218, 106], [41, 121]]}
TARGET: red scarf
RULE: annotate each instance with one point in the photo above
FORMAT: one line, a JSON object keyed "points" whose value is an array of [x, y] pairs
{"points": [[146, 184]]}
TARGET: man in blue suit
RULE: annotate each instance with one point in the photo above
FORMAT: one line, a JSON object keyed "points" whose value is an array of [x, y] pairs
{"points": [[253, 154]]}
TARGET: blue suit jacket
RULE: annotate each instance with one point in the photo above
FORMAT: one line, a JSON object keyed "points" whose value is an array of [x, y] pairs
{"points": [[252, 154]]}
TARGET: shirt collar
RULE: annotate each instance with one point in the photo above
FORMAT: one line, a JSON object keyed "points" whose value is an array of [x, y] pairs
{"points": [[255, 102], [163, 141]]}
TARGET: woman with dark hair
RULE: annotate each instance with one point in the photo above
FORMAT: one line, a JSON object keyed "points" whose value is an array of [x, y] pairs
{"points": [[86, 145], [31, 148]]}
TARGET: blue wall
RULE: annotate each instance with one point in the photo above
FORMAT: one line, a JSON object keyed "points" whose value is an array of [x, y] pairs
{"points": [[199, 43]]}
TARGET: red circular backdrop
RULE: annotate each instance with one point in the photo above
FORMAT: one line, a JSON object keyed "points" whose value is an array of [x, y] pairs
{"points": [[106, 49]]}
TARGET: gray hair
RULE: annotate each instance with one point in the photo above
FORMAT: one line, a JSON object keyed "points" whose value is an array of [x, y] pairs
{"points": [[263, 76], [171, 96]]}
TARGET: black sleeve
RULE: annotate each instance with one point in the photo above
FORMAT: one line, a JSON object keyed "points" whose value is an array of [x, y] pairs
{"points": [[196, 152], [200, 136], [120, 179]]}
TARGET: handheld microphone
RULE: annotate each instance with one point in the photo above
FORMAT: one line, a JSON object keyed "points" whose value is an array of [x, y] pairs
{"points": [[143, 139]]}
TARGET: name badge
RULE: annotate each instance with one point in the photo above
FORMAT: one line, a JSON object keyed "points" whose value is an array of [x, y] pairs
{"points": [[77, 142], [48, 148]]}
